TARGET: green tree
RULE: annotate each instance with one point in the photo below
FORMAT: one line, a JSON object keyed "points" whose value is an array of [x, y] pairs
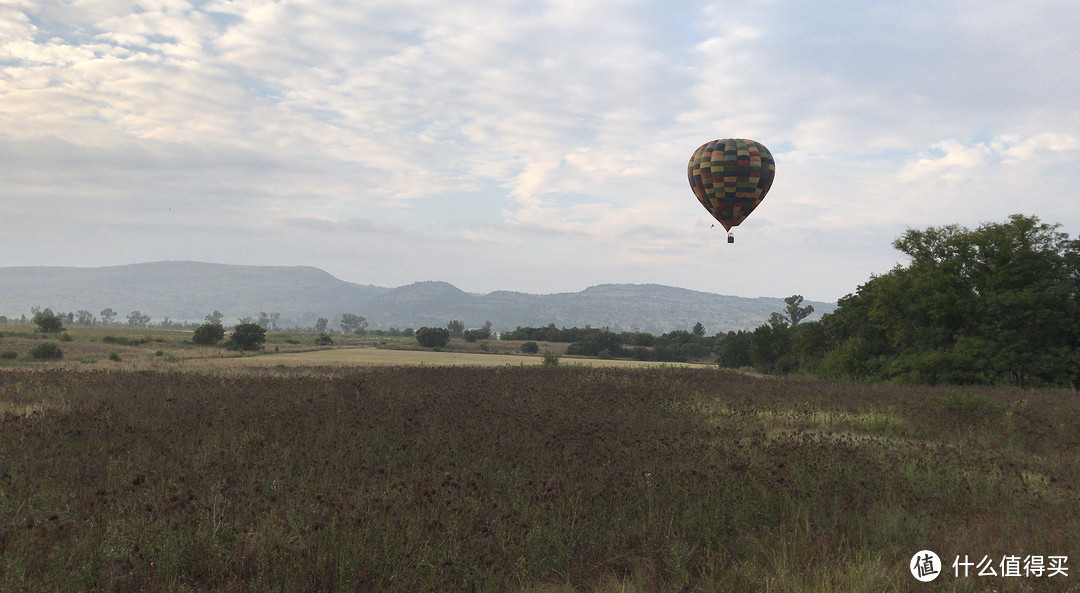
{"points": [[247, 336], [733, 349], [433, 337], [456, 329], [995, 304], [794, 312], [138, 319], [48, 322], [208, 334], [107, 315], [353, 324], [215, 318]]}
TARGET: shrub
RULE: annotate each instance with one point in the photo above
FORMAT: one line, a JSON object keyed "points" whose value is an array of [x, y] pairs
{"points": [[433, 337], [126, 341], [530, 348], [208, 334], [66, 337], [9, 355], [551, 359], [49, 323], [47, 351], [324, 340], [247, 336], [114, 356]]}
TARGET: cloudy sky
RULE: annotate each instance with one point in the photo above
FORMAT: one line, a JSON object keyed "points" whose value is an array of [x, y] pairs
{"points": [[536, 145]]}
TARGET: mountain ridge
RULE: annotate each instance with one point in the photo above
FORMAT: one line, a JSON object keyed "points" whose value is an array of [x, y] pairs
{"points": [[188, 291]]}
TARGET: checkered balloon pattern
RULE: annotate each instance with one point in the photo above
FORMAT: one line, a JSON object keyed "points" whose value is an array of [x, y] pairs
{"points": [[730, 177]]}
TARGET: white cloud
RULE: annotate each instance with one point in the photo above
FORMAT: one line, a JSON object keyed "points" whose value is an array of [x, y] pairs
{"points": [[538, 130]]}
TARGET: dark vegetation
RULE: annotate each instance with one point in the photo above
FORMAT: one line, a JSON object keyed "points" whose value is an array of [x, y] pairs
{"points": [[432, 337], [208, 334], [47, 351], [502, 479], [247, 336], [999, 304], [48, 322]]}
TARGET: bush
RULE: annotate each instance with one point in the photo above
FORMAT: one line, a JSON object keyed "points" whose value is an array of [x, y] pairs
{"points": [[247, 336], [551, 359], [324, 340], [126, 341], [530, 348], [433, 337], [9, 355], [47, 351], [208, 334], [114, 356], [49, 323]]}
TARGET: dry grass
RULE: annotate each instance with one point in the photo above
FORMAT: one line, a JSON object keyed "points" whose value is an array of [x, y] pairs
{"points": [[91, 348], [385, 357], [510, 478]]}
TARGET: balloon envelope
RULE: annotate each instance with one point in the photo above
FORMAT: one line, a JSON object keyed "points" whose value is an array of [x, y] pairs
{"points": [[730, 177]]}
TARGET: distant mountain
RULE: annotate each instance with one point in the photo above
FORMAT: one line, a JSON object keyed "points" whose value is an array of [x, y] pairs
{"points": [[188, 291]]}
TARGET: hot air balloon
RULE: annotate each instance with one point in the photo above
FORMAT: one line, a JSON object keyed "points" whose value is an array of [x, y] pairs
{"points": [[730, 177]]}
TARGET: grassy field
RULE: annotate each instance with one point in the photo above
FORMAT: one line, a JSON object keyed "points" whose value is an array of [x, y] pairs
{"points": [[125, 348], [176, 477], [368, 356]]}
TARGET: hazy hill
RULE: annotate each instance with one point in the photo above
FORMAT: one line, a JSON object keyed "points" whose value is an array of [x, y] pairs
{"points": [[190, 290]]}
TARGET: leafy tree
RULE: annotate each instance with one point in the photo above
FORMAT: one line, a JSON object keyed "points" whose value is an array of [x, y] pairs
{"points": [[353, 324], [699, 330], [48, 322], [247, 336], [530, 347], [208, 334], [456, 329], [138, 319], [107, 315], [320, 325], [433, 337], [794, 312], [215, 318], [269, 321], [84, 317], [995, 304], [733, 349]]}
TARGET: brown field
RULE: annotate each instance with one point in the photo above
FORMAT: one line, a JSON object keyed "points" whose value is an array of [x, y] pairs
{"points": [[179, 475]]}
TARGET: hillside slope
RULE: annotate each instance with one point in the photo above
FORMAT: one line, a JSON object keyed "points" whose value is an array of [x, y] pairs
{"points": [[188, 291]]}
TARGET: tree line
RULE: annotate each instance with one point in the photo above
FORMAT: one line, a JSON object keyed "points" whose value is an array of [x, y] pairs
{"points": [[997, 304]]}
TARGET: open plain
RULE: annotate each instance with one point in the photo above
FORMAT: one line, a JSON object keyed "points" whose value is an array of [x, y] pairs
{"points": [[166, 472]]}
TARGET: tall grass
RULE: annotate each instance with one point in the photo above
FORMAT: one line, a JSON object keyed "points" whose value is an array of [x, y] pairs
{"points": [[520, 479]]}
